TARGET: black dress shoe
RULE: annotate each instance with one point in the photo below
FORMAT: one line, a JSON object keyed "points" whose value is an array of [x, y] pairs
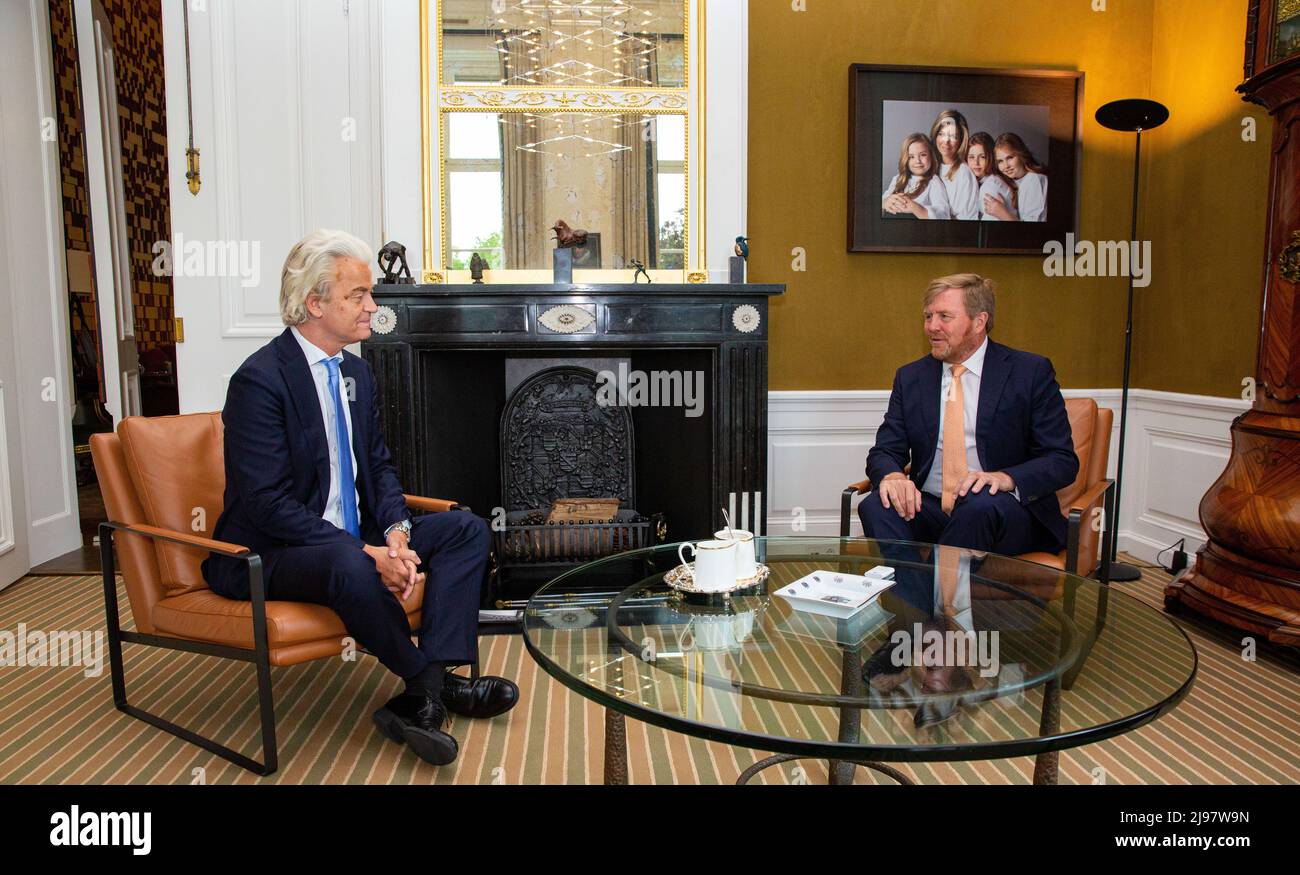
{"points": [[418, 721], [486, 696], [881, 673]]}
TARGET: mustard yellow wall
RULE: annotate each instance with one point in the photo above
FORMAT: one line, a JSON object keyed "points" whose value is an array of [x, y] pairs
{"points": [[851, 319], [1196, 325]]}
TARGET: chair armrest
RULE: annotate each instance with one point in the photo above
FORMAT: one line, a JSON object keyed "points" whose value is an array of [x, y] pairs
{"points": [[432, 505], [1080, 514], [256, 585], [1090, 497], [156, 533], [225, 548], [846, 503]]}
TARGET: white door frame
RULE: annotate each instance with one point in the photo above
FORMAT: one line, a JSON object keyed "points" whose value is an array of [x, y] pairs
{"points": [[112, 253], [39, 517]]}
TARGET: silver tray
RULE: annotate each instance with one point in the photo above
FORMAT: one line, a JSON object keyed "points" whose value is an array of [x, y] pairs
{"points": [[682, 579]]}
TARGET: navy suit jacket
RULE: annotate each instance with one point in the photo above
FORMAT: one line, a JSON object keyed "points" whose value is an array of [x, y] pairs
{"points": [[277, 461], [1021, 429]]}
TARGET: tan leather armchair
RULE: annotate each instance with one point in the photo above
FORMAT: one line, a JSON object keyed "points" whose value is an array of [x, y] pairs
{"points": [[1086, 503], [163, 479]]}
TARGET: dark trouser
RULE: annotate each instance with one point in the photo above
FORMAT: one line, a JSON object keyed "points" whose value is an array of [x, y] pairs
{"points": [[453, 551], [979, 521]]}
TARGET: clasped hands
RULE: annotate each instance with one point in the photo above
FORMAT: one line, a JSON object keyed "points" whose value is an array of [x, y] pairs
{"points": [[396, 563], [898, 492], [897, 203]]}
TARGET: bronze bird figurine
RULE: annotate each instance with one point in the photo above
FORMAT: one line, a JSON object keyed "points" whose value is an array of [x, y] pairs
{"points": [[566, 237]]}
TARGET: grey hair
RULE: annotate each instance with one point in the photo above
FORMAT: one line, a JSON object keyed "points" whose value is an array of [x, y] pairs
{"points": [[311, 268]]}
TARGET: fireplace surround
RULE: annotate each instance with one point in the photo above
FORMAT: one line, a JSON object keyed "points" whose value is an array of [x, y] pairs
{"points": [[449, 358]]}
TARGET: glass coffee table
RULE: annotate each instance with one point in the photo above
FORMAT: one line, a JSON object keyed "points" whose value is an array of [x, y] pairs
{"points": [[966, 656]]}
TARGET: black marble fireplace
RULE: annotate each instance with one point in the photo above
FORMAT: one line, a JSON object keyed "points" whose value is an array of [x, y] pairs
{"points": [[448, 359]]}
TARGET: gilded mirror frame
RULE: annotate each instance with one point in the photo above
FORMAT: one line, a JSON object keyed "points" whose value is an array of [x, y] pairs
{"points": [[438, 101]]}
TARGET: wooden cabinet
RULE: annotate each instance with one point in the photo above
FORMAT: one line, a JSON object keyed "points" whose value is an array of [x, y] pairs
{"points": [[1248, 572]]}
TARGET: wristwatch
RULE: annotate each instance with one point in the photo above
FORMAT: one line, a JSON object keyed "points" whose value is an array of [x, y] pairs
{"points": [[404, 525]]}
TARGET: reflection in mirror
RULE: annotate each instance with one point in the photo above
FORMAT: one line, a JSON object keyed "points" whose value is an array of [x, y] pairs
{"points": [[564, 43], [619, 176]]}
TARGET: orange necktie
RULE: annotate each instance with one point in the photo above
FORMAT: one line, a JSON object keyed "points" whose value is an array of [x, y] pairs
{"points": [[954, 439]]}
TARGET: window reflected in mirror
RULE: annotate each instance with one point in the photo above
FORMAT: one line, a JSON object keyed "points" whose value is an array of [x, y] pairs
{"points": [[564, 43], [619, 176]]}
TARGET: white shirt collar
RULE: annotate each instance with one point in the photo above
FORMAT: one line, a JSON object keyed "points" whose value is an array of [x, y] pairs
{"points": [[974, 364], [313, 352]]}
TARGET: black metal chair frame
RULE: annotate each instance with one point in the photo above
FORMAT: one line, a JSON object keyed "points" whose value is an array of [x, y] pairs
{"points": [[259, 655]]}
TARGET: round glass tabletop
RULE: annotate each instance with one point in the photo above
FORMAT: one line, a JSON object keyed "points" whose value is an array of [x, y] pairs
{"points": [[963, 655]]}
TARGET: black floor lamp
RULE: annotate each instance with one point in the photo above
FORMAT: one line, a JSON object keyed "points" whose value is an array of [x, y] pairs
{"points": [[1134, 115]]}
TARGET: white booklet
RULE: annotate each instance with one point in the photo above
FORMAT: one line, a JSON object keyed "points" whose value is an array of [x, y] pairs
{"points": [[835, 594]]}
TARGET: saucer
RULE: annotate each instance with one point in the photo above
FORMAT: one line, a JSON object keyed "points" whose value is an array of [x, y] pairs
{"points": [[682, 579]]}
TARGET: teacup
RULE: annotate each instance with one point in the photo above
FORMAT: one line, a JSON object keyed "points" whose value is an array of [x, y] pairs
{"points": [[746, 564], [715, 564]]}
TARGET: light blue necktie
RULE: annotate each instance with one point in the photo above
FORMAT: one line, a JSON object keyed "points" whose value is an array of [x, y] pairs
{"points": [[347, 479]]}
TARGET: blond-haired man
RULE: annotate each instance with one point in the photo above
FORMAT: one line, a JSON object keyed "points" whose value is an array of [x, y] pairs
{"points": [[311, 487], [984, 429]]}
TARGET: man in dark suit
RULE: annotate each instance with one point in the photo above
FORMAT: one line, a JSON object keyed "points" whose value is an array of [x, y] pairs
{"points": [[1002, 411], [311, 488]]}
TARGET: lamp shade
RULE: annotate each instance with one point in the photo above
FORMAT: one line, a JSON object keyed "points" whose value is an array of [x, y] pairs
{"points": [[1132, 114]]}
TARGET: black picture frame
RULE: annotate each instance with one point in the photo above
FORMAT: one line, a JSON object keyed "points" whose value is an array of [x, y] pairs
{"points": [[870, 85]]}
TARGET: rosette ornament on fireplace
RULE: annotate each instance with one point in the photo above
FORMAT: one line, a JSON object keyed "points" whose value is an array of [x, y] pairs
{"points": [[568, 478]]}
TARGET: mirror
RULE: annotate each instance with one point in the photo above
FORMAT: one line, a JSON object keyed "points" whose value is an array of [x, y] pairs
{"points": [[621, 176], [564, 43]]}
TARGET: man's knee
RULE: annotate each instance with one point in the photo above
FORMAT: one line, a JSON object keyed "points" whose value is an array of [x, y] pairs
{"points": [[877, 520], [455, 527], [981, 504], [353, 574]]}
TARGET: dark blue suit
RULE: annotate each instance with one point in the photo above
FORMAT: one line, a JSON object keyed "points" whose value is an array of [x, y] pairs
{"points": [[277, 481], [1021, 429]]}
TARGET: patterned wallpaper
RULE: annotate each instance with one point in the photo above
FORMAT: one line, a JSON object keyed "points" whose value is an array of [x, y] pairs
{"points": [[137, 39]]}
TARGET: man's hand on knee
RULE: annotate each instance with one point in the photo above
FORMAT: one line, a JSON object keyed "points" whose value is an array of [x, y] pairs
{"points": [[395, 570], [899, 493], [996, 481]]}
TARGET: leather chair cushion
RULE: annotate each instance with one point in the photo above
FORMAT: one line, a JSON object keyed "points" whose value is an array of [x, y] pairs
{"points": [[205, 616], [1083, 424], [176, 464]]}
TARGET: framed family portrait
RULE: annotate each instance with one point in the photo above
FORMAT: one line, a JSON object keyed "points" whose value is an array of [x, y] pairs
{"points": [[962, 159]]}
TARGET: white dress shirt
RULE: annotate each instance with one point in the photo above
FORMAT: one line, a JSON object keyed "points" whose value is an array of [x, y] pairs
{"points": [[320, 374], [970, 387]]}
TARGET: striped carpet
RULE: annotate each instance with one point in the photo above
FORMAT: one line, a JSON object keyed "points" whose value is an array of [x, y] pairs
{"points": [[1239, 724]]}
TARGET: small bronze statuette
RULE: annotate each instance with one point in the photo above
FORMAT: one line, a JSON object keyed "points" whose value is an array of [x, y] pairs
{"points": [[392, 255], [640, 271], [476, 267], [566, 237]]}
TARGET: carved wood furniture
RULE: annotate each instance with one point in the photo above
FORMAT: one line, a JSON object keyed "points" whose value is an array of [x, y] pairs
{"points": [[1248, 572]]}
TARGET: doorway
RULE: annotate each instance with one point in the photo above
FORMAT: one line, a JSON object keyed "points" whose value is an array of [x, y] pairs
{"points": [[107, 58]]}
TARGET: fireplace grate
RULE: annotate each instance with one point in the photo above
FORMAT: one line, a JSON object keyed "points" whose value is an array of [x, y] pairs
{"points": [[541, 543]]}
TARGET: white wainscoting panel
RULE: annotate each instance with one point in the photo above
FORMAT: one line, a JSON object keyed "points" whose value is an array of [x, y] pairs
{"points": [[1177, 445]]}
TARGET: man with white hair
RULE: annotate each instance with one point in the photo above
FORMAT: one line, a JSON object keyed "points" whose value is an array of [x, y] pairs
{"points": [[311, 488]]}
